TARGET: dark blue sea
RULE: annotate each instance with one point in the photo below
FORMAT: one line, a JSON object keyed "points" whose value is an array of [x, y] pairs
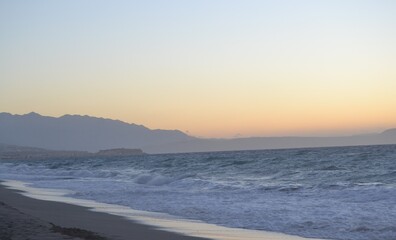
{"points": [[331, 193]]}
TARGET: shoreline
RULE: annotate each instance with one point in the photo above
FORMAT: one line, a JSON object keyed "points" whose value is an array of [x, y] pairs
{"points": [[44, 213], [101, 221]]}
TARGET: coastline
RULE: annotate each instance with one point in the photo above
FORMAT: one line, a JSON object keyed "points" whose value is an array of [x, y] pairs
{"points": [[112, 222], [43, 213]]}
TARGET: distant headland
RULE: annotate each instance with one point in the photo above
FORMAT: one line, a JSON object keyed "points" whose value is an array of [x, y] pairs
{"points": [[76, 135], [12, 152]]}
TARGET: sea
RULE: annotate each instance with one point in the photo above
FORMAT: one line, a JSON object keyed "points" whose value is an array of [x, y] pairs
{"points": [[346, 193]]}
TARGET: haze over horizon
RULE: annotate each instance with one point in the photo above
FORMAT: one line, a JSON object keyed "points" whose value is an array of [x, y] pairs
{"points": [[202, 137], [207, 68]]}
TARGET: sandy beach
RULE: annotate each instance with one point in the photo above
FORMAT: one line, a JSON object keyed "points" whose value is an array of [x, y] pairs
{"points": [[27, 218]]}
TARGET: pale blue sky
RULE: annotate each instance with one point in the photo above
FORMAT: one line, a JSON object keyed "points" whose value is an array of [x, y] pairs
{"points": [[215, 68]]}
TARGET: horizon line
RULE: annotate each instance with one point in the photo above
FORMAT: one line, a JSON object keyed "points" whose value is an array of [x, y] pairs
{"points": [[33, 113]]}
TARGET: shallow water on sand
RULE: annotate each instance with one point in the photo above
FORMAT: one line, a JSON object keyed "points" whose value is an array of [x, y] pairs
{"points": [[158, 220]]}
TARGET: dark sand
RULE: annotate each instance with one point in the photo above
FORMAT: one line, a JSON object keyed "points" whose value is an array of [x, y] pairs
{"points": [[23, 218]]}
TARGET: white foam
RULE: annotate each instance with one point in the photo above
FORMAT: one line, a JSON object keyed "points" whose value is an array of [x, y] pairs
{"points": [[158, 220]]}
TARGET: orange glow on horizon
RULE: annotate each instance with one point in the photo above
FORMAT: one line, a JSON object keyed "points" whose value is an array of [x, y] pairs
{"points": [[315, 67]]}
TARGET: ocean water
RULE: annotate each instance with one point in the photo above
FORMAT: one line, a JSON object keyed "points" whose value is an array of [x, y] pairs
{"points": [[330, 193]]}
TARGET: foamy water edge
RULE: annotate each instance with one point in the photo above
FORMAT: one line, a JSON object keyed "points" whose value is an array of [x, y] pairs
{"points": [[160, 221]]}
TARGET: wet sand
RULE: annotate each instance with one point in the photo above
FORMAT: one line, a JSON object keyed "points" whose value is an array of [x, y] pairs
{"points": [[23, 218]]}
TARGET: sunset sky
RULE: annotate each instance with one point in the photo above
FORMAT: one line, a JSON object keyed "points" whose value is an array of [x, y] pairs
{"points": [[213, 68]]}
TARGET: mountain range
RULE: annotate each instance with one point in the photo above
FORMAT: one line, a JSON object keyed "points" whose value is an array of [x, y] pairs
{"points": [[86, 133]]}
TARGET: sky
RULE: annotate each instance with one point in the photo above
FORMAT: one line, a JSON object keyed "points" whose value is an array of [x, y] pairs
{"points": [[210, 68]]}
